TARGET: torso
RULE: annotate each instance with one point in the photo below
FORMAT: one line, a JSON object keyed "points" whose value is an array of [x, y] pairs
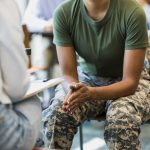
{"points": [[101, 44]]}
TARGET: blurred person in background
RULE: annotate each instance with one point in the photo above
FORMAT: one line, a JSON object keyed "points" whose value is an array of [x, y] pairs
{"points": [[146, 6], [19, 119], [38, 18]]}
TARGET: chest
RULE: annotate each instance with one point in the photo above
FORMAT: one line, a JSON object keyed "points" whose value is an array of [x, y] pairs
{"points": [[95, 43]]}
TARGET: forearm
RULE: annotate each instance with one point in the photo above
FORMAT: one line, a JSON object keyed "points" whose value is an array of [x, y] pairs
{"points": [[131, 75], [114, 91], [69, 70], [68, 64], [34, 24], [69, 78]]}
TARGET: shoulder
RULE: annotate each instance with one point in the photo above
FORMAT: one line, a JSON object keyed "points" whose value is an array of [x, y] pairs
{"points": [[129, 11], [130, 7], [66, 8], [66, 5], [131, 4]]}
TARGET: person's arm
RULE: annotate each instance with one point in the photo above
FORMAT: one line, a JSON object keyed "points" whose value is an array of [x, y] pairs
{"points": [[133, 64], [48, 28], [64, 45], [135, 44], [32, 20], [68, 64], [13, 59]]}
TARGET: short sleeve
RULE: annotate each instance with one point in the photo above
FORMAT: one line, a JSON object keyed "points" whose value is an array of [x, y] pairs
{"points": [[136, 30], [61, 28]]}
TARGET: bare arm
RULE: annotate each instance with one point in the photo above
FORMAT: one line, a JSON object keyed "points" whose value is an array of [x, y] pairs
{"points": [[68, 63], [133, 64]]}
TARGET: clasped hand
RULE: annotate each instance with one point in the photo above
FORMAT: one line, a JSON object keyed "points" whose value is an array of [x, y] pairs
{"points": [[78, 94]]}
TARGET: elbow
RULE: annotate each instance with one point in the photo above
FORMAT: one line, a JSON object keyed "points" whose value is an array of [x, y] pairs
{"points": [[132, 91], [131, 87], [18, 92], [21, 93]]}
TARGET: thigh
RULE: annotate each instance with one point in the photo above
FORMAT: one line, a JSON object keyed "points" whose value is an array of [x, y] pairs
{"points": [[134, 107]]}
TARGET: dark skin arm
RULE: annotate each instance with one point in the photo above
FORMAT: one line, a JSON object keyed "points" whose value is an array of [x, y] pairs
{"points": [[80, 93], [68, 64]]}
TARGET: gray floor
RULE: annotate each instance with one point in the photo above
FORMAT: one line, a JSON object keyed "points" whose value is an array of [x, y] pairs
{"points": [[93, 137]]}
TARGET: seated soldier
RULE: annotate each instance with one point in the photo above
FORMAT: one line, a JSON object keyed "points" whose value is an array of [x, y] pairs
{"points": [[110, 37]]}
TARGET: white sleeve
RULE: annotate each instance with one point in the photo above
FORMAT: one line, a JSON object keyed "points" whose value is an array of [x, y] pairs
{"points": [[31, 19], [13, 59], [149, 34]]}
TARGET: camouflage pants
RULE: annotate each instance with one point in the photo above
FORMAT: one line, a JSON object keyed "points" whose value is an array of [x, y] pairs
{"points": [[123, 117]]}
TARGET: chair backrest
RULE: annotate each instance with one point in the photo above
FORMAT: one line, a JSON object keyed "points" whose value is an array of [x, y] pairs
{"points": [[26, 36], [27, 43]]}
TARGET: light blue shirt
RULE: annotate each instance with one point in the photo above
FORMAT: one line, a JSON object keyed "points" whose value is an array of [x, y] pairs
{"points": [[38, 13], [147, 12]]}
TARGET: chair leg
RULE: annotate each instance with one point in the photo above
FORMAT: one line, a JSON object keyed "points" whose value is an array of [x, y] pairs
{"points": [[81, 137]]}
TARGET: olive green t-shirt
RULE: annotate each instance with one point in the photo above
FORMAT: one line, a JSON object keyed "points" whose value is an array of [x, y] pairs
{"points": [[101, 45]]}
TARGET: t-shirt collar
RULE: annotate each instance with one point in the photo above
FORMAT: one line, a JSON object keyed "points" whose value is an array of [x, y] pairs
{"points": [[93, 22]]}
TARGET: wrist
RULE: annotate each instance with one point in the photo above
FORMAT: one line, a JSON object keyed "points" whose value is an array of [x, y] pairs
{"points": [[67, 82], [92, 93], [70, 79]]}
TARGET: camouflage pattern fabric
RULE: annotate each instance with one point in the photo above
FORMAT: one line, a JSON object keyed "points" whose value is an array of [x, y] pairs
{"points": [[124, 116]]}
